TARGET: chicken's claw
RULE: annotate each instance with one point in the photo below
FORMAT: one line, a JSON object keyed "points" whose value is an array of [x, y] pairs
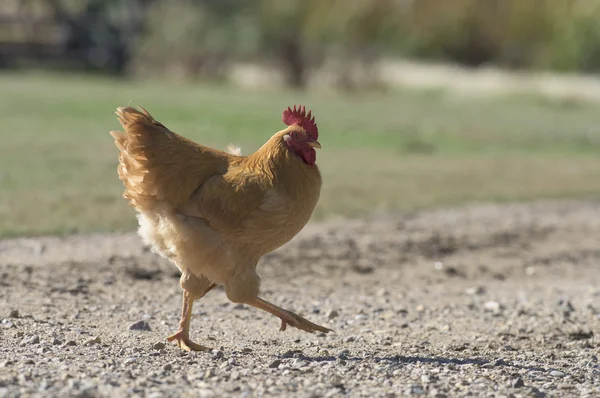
{"points": [[183, 341], [301, 323]]}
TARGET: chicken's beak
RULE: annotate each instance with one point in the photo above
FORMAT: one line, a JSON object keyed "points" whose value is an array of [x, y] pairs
{"points": [[314, 144]]}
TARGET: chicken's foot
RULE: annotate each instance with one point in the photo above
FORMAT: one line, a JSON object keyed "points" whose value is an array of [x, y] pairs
{"points": [[182, 336], [288, 317]]}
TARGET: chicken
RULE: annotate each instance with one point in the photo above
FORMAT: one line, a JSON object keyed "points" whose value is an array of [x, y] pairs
{"points": [[215, 214]]}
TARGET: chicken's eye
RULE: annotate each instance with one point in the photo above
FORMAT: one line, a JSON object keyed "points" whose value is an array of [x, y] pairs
{"points": [[294, 134]]}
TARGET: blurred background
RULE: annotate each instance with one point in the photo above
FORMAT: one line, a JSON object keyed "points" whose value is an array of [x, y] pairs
{"points": [[421, 103]]}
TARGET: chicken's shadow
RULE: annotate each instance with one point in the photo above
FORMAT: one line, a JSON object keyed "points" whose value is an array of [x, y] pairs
{"points": [[401, 359]]}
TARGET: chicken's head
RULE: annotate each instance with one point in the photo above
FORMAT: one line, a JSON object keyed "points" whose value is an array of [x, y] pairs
{"points": [[301, 136]]}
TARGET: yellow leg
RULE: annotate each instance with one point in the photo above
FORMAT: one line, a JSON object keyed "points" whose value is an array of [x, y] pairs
{"points": [[288, 317], [182, 336]]}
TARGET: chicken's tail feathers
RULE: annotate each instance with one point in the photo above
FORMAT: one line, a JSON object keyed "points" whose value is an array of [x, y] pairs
{"points": [[157, 165], [134, 166], [129, 116]]}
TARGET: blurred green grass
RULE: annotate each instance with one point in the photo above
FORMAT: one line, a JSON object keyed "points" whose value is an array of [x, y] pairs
{"points": [[397, 150]]}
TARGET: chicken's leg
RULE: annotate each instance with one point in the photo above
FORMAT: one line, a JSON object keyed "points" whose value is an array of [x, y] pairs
{"points": [[182, 336], [288, 317]]}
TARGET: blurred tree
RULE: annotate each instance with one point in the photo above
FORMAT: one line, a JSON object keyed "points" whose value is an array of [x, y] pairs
{"points": [[97, 33], [354, 34], [300, 35], [282, 34], [188, 38]]}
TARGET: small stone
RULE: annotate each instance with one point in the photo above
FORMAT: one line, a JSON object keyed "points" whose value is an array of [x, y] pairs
{"points": [[360, 317], [493, 307], [336, 381], [475, 290], [130, 360], [45, 384], [436, 393], [275, 364], [557, 373], [92, 341], [14, 314], [30, 340], [71, 343], [299, 363], [167, 366], [7, 324], [332, 314], [140, 325], [517, 383], [415, 389], [55, 341], [349, 339], [29, 362], [210, 373], [530, 271], [218, 354], [159, 346]]}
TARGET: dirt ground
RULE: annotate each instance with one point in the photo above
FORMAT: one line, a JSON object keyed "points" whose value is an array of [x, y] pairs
{"points": [[488, 300]]}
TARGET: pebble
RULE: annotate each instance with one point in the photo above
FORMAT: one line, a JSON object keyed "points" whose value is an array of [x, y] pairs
{"points": [[13, 314], [218, 354], [130, 360], [517, 383], [34, 339], [159, 346], [415, 389], [166, 367], [92, 341], [55, 341], [332, 314], [475, 290], [557, 373], [210, 373], [299, 363], [7, 324], [275, 364], [493, 306], [140, 325], [224, 365]]}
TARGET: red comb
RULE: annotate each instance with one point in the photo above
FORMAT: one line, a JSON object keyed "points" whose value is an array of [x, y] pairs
{"points": [[299, 117]]}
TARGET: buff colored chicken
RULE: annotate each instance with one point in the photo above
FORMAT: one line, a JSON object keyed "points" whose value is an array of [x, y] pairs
{"points": [[215, 214]]}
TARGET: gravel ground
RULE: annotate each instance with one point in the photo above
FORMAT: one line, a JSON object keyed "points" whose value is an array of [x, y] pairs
{"points": [[478, 301]]}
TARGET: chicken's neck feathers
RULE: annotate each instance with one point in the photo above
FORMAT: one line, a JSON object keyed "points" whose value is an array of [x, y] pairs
{"points": [[280, 167]]}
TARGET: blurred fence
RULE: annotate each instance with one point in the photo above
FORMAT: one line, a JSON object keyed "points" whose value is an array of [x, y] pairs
{"points": [[204, 38]]}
